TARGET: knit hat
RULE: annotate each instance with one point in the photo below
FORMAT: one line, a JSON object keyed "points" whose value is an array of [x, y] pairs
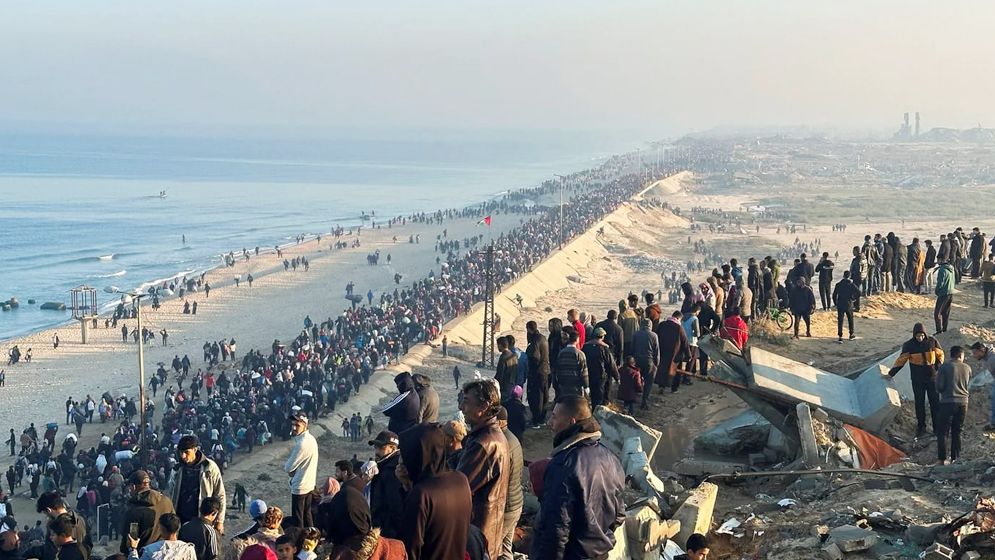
{"points": [[257, 508], [188, 442]]}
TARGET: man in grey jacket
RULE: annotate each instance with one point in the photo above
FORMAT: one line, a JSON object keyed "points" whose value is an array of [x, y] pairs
{"points": [[646, 349], [194, 478], [952, 384], [302, 468]]}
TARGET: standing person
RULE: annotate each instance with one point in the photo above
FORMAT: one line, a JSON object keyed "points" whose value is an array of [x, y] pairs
{"points": [[692, 331], [646, 349], [428, 399], [986, 355], [857, 269], [53, 506], [987, 274], [917, 266], [507, 366], [302, 467], [673, 345], [887, 263], [516, 412], [437, 498], [944, 290], [445, 346], [60, 532], [169, 546], [802, 304], [825, 271], [352, 533], [976, 251], [929, 264], [901, 265], [613, 335], [537, 384], [571, 376], [386, 495], [735, 330], [195, 478], [516, 494], [629, 320], [601, 367], [485, 461], [404, 414], [200, 532], [573, 317], [581, 503], [145, 509], [952, 385], [924, 356], [845, 296], [630, 385]]}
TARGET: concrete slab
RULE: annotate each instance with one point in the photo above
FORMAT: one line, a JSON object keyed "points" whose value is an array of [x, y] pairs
{"points": [[850, 538], [621, 550], [646, 532], [695, 514], [616, 428], [744, 433], [699, 467], [809, 446]]}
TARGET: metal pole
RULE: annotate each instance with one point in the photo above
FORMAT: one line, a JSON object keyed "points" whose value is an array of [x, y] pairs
{"points": [[143, 449]]}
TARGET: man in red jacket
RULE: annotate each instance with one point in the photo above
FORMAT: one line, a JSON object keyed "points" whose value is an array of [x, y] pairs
{"points": [[735, 330], [572, 317]]}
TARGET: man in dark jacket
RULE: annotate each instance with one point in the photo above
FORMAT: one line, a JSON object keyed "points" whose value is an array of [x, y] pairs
{"points": [[804, 269], [438, 498], [825, 271], [485, 461], [61, 530], [613, 335], [145, 507], [581, 503], [976, 251], [887, 264], [901, 264], [601, 367], [924, 356], [386, 495], [516, 413], [571, 376], [845, 296], [196, 477], [646, 349], [538, 378], [507, 367], [709, 322], [516, 494], [673, 342], [802, 304], [200, 532], [929, 263], [53, 506], [428, 398], [404, 414], [755, 283]]}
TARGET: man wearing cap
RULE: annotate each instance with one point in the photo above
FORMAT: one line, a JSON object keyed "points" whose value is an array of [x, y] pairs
{"points": [[194, 478], [601, 367], [302, 468], [145, 507], [257, 509], [386, 494]]}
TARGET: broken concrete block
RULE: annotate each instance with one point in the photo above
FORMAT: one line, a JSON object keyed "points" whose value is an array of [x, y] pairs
{"points": [[742, 434], [937, 551], [695, 514], [756, 459], [884, 551], [970, 555], [806, 432], [621, 550], [820, 415], [617, 428], [646, 532], [852, 539], [832, 552], [923, 535]]}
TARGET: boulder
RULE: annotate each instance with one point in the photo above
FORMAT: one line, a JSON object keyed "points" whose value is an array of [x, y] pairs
{"points": [[741, 435], [53, 306]]}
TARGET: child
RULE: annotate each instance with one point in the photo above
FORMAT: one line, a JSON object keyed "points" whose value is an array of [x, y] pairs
{"points": [[286, 548], [630, 386]]}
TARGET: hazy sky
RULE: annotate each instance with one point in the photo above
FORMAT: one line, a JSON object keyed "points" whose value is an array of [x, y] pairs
{"points": [[667, 65]]}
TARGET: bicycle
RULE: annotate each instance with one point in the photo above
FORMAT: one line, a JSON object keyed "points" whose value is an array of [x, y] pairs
{"points": [[781, 317]]}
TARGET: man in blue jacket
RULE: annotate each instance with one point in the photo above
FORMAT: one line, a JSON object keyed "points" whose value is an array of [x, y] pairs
{"points": [[582, 488]]}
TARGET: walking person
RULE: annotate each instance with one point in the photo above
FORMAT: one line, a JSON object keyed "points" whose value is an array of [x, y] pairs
{"points": [[945, 279], [952, 385], [845, 297], [924, 356], [302, 467], [646, 349]]}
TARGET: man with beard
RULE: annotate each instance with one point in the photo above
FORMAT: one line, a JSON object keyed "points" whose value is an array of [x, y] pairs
{"points": [[196, 477], [924, 356], [386, 496]]}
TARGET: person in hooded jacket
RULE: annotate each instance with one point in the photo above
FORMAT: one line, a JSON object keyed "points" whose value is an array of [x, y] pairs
{"points": [[901, 264], [601, 367], [613, 334], [507, 366], [352, 532], [802, 303], [145, 507], [438, 505], [386, 494], [674, 349], [537, 354], [846, 294], [581, 504], [688, 300], [924, 356], [428, 398], [555, 342], [404, 414]]}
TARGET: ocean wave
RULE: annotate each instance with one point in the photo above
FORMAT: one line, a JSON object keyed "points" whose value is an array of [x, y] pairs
{"points": [[112, 275], [106, 257]]}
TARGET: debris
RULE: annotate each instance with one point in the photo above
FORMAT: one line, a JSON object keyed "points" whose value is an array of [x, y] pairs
{"points": [[646, 531], [923, 535], [695, 514], [882, 484], [728, 527], [832, 552], [937, 552], [852, 539], [740, 435], [884, 551], [616, 428], [810, 448], [971, 554], [698, 467]]}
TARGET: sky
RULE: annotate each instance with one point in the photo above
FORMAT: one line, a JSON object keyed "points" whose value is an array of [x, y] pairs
{"points": [[668, 66]]}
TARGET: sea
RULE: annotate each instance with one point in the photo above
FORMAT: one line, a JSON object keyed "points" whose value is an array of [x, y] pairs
{"points": [[111, 211]]}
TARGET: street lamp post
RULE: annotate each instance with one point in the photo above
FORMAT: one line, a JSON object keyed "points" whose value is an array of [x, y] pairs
{"points": [[143, 452]]}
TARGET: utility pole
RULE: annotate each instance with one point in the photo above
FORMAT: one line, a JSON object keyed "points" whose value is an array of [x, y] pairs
{"points": [[487, 346], [143, 450]]}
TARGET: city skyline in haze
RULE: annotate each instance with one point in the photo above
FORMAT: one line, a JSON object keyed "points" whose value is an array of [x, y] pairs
{"points": [[671, 67]]}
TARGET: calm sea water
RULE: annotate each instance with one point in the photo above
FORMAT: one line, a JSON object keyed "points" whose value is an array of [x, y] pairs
{"points": [[79, 209]]}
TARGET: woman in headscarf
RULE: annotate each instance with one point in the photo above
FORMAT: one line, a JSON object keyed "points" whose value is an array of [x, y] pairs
{"points": [[352, 533], [322, 509]]}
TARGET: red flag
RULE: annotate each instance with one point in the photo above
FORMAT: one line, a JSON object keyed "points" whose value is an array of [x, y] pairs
{"points": [[486, 221]]}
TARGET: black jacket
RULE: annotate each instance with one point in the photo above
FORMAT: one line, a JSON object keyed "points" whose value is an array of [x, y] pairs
{"points": [[404, 414], [613, 338], [516, 416], [845, 294], [387, 497], [825, 270], [203, 537]]}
